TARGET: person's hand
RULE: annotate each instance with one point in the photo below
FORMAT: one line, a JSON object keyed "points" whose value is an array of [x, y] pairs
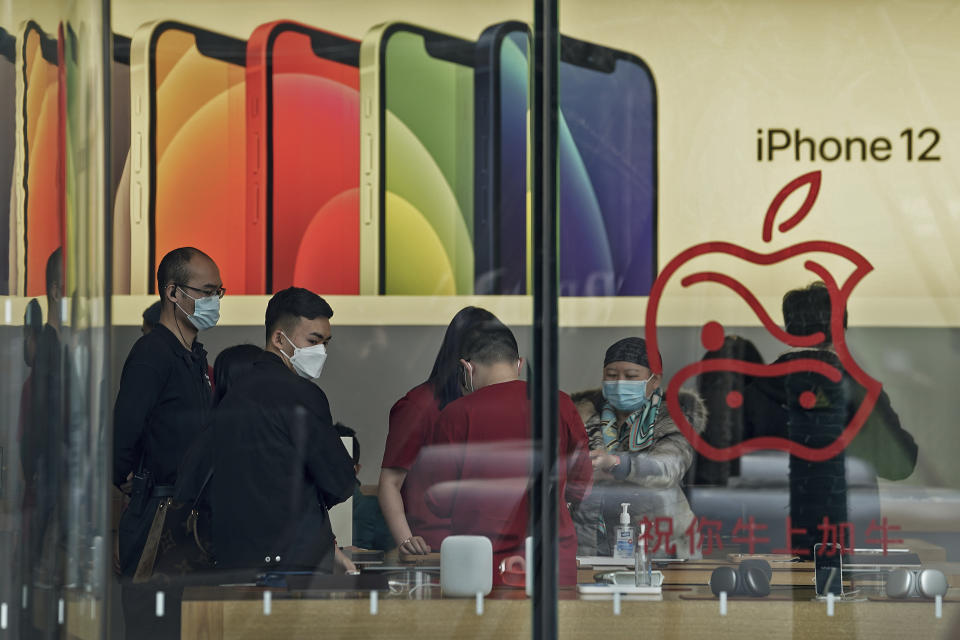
{"points": [[603, 461], [343, 564], [127, 487], [414, 545]]}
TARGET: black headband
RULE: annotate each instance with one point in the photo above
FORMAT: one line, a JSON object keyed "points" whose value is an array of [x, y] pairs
{"points": [[628, 350]]}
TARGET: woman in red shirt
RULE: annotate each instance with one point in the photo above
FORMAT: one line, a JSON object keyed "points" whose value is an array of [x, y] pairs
{"points": [[403, 483]]}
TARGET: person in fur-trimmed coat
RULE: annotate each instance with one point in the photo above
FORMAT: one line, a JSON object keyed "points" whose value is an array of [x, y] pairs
{"points": [[639, 456]]}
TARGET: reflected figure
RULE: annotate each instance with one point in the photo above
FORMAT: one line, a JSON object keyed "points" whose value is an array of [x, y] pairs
{"points": [[280, 465], [404, 480], [29, 549], [481, 452], [43, 452], [370, 530], [32, 328], [810, 409], [639, 456], [724, 422]]}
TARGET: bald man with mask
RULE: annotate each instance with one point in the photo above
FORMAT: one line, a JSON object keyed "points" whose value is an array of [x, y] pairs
{"points": [[162, 405]]}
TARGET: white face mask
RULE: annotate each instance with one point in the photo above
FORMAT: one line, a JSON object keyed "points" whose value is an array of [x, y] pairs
{"points": [[307, 361]]}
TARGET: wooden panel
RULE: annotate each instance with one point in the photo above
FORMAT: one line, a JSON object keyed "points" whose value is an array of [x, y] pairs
{"points": [[84, 617], [201, 620], [753, 619], [350, 618]]}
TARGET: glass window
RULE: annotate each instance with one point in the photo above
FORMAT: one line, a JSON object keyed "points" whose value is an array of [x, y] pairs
{"points": [[54, 443], [338, 171], [518, 319], [772, 391]]}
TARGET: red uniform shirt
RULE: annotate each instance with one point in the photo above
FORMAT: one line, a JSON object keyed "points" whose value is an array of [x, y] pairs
{"points": [[481, 471], [411, 425]]}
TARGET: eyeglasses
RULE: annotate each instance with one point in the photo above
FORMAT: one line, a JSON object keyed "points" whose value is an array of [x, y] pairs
{"points": [[206, 292]]}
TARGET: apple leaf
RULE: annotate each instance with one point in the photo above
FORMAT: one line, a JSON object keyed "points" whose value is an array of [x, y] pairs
{"points": [[813, 180]]}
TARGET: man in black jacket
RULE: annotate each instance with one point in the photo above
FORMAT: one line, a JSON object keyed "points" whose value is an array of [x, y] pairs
{"points": [[162, 405], [775, 407], [882, 441], [279, 462]]}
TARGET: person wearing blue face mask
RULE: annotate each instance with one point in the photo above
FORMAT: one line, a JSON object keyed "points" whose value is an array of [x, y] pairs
{"points": [[638, 453], [162, 405]]}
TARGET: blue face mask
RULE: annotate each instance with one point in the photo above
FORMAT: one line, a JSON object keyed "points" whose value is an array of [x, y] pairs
{"points": [[206, 311], [626, 395]]}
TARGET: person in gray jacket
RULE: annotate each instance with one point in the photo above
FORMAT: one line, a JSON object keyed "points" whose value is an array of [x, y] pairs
{"points": [[639, 456]]}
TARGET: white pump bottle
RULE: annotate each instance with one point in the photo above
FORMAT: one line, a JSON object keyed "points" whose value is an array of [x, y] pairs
{"points": [[626, 535]]}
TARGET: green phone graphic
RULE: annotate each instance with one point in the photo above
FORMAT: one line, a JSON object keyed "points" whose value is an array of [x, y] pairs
{"points": [[417, 162]]}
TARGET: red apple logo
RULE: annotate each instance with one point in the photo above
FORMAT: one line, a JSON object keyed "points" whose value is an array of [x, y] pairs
{"points": [[712, 332]]}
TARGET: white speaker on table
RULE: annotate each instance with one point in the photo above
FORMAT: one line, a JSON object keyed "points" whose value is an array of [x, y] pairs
{"points": [[466, 566]]}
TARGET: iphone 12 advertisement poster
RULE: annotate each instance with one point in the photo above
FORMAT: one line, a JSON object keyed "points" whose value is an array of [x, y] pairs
{"points": [[258, 152]]}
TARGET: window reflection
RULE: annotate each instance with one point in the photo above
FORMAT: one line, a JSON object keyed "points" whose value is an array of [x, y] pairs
{"points": [[381, 163]]}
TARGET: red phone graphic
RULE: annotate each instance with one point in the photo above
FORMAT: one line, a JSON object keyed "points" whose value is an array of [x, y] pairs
{"points": [[40, 186], [303, 158]]}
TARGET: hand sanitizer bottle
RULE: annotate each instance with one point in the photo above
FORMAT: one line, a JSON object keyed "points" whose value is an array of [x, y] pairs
{"points": [[625, 535]]}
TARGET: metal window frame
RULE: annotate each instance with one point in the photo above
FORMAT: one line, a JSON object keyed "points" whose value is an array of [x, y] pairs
{"points": [[544, 378]]}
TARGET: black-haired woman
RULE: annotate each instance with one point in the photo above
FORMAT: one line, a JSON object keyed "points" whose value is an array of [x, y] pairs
{"points": [[402, 484], [229, 365]]}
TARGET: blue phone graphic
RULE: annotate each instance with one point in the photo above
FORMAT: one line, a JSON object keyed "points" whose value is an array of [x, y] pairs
{"points": [[607, 167]]}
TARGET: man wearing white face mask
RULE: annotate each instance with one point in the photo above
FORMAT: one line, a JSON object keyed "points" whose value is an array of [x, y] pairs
{"points": [[280, 465], [639, 456], [162, 405]]}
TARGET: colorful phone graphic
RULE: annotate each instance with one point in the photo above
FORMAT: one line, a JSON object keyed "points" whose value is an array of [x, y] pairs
{"points": [[119, 107], [73, 165], [120, 161], [8, 133], [188, 151], [39, 168], [607, 166], [416, 162], [501, 195], [303, 162]]}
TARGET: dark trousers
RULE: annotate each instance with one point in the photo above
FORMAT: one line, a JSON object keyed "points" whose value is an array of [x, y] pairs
{"points": [[140, 600]]}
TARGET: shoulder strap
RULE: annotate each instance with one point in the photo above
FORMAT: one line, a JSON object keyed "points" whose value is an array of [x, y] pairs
{"points": [[203, 488]]}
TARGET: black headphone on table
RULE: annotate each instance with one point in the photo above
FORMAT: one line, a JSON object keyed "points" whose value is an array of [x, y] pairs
{"points": [[916, 583], [751, 578]]}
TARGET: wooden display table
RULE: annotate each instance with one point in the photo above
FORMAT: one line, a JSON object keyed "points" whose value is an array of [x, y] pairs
{"points": [[687, 610]]}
